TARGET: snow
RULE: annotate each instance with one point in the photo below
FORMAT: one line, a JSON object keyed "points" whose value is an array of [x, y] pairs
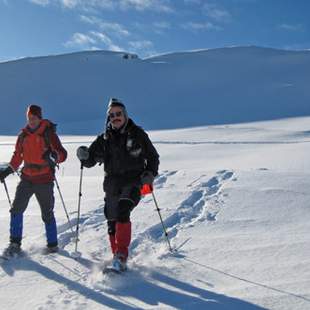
{"points": [[235, 201], [177, 90]]}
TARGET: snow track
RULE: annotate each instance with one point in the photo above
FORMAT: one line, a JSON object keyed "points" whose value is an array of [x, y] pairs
{"points": [[202, 204], [80, 281]]}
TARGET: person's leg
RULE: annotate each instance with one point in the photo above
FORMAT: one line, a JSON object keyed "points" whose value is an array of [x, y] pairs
{"points": [[110, 214], [24, 191], [45, 196], [129, 198], [111, 233]]}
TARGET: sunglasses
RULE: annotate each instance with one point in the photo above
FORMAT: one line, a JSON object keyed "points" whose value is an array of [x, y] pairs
{"points": [[116, 114]]}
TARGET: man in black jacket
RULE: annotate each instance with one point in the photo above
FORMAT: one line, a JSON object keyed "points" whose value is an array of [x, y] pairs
{"points": [[130, 161]]}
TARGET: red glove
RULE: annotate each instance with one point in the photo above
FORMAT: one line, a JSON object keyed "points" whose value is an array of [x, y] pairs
{"points": [[146, 189]]}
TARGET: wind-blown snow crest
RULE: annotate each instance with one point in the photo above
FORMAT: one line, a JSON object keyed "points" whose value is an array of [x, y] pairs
{"points": [[177, 90]]}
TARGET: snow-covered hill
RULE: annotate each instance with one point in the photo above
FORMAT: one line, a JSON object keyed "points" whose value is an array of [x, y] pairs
{"points": [[235, 199], [219, 86]]}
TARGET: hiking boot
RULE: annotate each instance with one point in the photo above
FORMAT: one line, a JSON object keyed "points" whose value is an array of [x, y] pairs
{"points": [[119, 262], [51, 249], [13, 250]]}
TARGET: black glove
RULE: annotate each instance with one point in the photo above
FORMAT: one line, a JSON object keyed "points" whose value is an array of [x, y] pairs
{"points": [[147, 177], [5, 172], [99, 158], [51, 158], [82, 153]]}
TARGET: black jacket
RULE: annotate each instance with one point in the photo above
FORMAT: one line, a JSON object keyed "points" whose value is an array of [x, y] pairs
{"points": [[125, 154]]}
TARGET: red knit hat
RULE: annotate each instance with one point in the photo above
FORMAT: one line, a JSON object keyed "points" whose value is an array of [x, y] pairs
{"points": [[34, 110]]}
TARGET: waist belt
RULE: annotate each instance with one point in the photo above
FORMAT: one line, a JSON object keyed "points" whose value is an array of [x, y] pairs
{"points": [[36, 166]]}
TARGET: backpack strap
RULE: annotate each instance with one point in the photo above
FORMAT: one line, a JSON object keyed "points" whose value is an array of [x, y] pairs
{"points": [[47, 134], [21, 137], [47, 139]]}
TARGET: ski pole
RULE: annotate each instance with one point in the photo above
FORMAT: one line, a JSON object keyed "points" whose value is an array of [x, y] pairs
{"points": [[63, 204], [7, 193], [162, 223], [79, 211]]}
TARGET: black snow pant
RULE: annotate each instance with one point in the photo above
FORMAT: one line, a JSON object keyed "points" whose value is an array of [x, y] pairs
{"points": [[44, 194], [45, 197], [119, 203]]}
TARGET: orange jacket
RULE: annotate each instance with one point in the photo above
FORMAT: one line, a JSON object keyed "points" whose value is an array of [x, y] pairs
{"points": [[30, 148]]}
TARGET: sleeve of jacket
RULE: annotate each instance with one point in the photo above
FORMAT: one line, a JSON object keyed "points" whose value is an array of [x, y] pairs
{"points": [[150, 154], [96, 152], [17, 157], [57, 147]]}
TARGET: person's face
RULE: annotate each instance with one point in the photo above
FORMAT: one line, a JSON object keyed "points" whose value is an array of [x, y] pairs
{"points": [[33, 121], [117, 117]]}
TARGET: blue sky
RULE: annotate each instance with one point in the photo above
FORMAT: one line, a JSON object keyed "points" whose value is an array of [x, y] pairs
{"points": [[148, 27]]}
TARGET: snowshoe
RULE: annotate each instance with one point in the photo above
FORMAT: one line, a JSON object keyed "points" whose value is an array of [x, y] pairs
{"points": [[50, 250], [118, 265], [13, 250]]}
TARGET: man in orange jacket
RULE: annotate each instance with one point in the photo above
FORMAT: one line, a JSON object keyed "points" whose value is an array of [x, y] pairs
{"points": [[39, 147]]}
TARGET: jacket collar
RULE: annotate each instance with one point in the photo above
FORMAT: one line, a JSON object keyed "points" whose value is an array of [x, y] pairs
{"points": [[125, 129], [44, 124]]}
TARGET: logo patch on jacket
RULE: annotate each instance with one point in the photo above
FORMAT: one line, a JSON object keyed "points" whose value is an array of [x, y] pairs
{"points": [[133, 148]]}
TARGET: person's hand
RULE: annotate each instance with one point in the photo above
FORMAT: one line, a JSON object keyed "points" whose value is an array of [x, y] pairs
{"points": [[51, 157], [82, 153], [147, 177], [5, 172]]}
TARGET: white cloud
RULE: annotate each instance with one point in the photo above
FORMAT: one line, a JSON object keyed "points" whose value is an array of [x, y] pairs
{"points": [[145, 48], [114, 28], [290, 27], [142, 5], [192, 1], [91, 41], [141, 45], [87, 4], [90, 19], [70, 3], [93, 5], [80, 40], [41, 2], [106, 40], [162, 25], [216, 13], [207, 26]]}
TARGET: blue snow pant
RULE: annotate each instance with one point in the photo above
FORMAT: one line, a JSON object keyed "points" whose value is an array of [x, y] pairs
{"points": [[45, 196]]}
